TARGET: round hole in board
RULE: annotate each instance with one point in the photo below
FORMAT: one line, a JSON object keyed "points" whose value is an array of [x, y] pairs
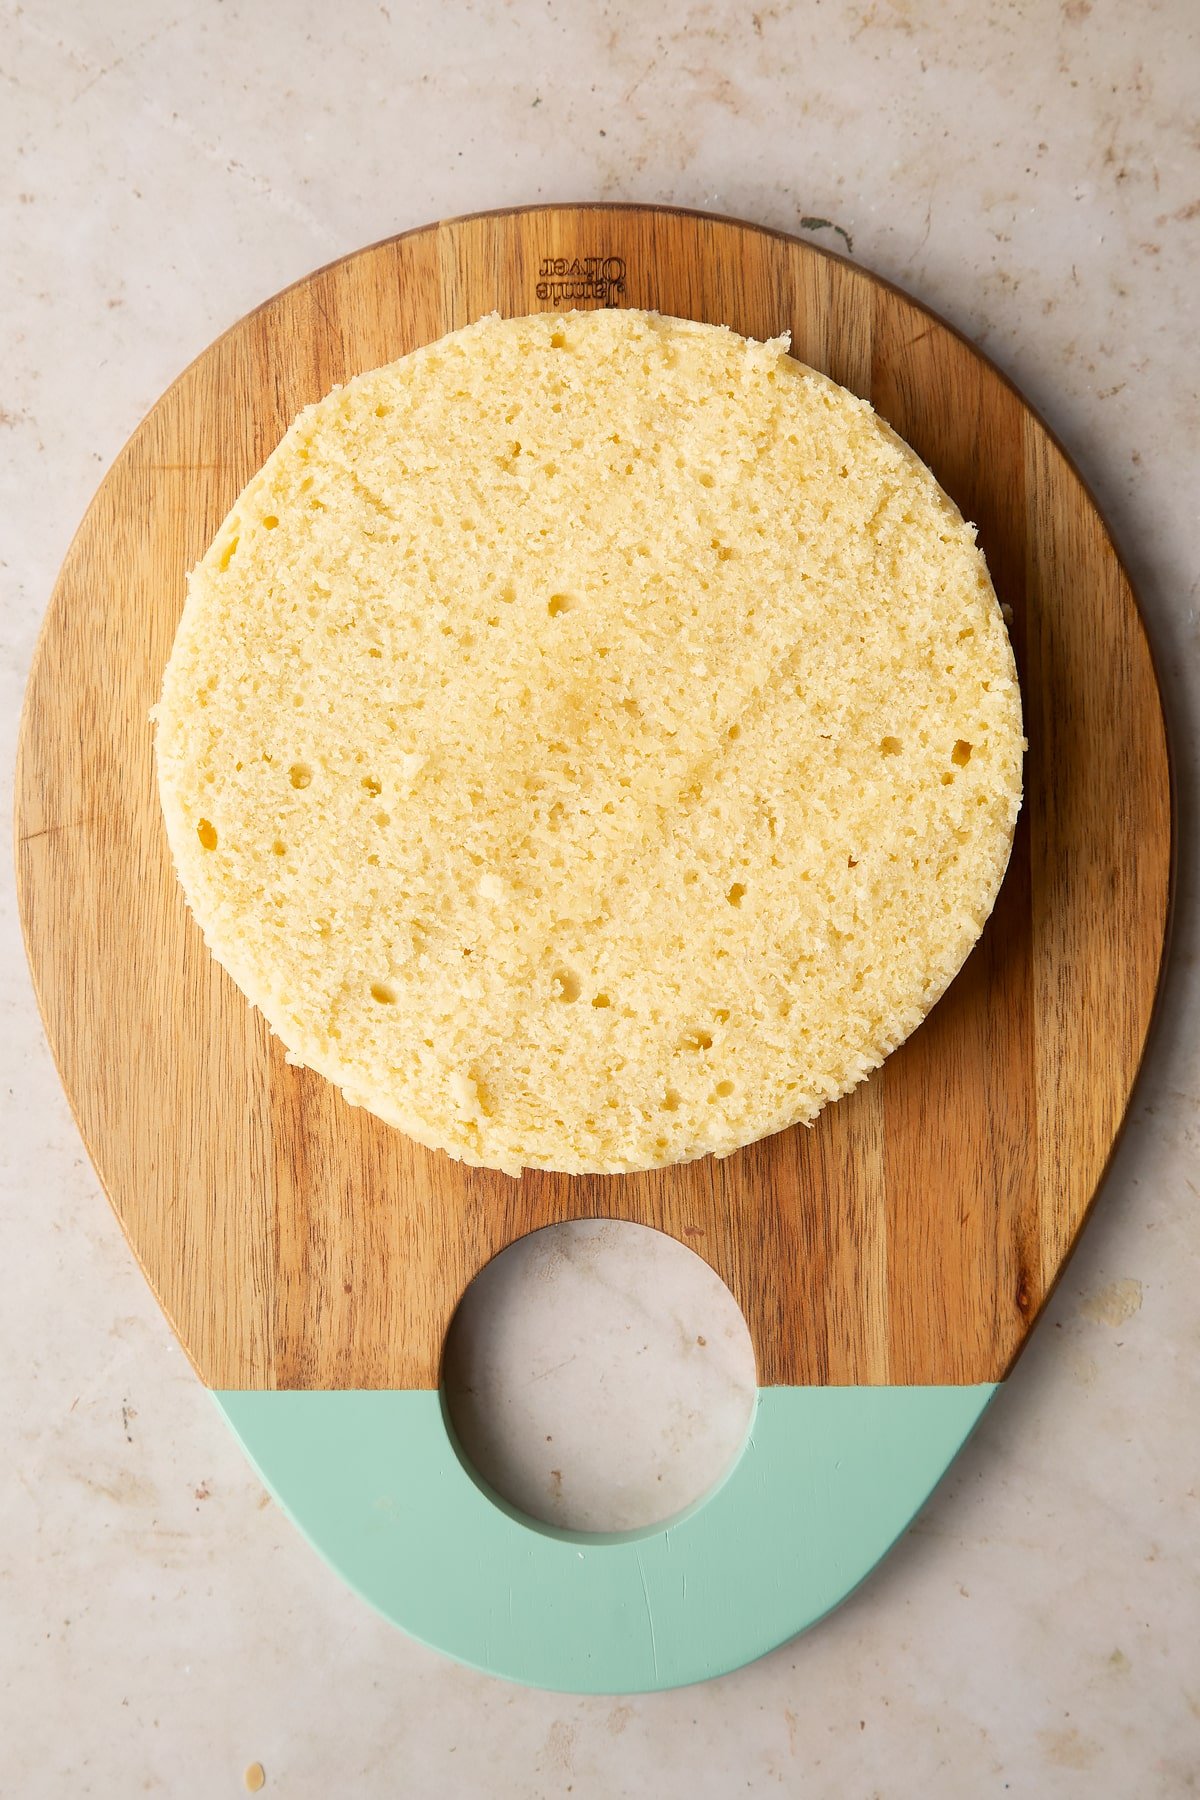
{"points": [[599, 1376]]}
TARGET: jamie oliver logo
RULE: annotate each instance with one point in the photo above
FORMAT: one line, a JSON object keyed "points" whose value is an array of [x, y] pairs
{"points": [[563, 278]]}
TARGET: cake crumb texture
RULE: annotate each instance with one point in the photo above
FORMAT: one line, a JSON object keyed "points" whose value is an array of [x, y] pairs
{"points": [[592, 741]]}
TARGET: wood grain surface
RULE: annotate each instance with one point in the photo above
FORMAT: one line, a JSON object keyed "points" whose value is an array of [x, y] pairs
{"points": [[913, 1234]]}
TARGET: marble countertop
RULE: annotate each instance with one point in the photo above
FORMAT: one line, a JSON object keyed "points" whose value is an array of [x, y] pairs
{"points": [[1030, 169]]}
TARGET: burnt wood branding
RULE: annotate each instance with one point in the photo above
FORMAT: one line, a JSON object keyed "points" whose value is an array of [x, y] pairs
{"points": [[570, 278]]}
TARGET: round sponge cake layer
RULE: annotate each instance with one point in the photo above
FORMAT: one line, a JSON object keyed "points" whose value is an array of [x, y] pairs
{"points": [[592, 741]]}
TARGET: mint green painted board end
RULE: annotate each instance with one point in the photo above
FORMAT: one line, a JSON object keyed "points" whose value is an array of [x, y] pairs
{"points": [[827, 1480]]}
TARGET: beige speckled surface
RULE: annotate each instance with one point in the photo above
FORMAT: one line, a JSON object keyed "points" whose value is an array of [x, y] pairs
{"points": [[1033, 171]]}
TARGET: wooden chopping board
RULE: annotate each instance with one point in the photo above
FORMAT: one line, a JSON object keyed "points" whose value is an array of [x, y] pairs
{"points": [[911, 1236]]}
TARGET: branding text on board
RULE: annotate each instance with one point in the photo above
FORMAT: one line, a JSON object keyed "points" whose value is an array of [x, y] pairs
{"points": [[563, 278]]}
